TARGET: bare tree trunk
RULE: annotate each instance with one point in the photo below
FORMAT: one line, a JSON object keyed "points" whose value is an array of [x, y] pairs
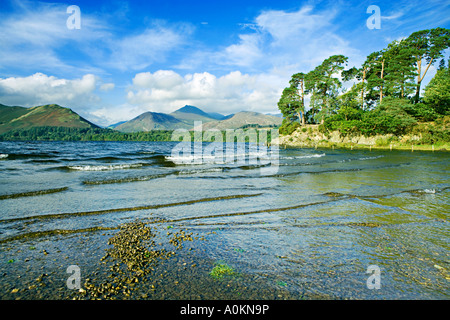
{"points": [[303, 103], [301, 117], [420, 77], [419, 71], [362, 89], [381, 87]]}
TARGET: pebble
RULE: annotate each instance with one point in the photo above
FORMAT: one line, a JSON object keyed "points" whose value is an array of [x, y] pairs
{"points": [[134, 256]]}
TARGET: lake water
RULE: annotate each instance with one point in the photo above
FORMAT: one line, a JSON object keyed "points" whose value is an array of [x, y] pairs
{"points": [[309, 229]]}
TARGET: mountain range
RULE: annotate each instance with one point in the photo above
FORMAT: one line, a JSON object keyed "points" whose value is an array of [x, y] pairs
{"points": [[16, 117], [185, 117]]}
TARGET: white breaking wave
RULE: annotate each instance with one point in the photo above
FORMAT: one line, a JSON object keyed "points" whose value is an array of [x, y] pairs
{"points": [[4, 155], [221, 158], [311, 156], [195, 171], [362, 159], [432, 191], [105, 167], [306, 157]]}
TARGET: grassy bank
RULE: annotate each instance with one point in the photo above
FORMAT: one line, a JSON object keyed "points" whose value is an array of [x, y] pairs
{"points": [[420, 139]]}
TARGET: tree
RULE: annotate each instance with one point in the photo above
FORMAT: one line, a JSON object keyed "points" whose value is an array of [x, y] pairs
{"points": [[428, 46], [388, 117], [297, 80], [289, 103], [437, 92], [323, 84], [375, 72], [400, 71]]}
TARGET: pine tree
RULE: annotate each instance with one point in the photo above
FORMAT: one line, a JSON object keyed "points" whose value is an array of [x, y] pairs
{"points": [[324, 86], [428, 46], [400, 71], [437, 92], [298, 82], [289, 103]]}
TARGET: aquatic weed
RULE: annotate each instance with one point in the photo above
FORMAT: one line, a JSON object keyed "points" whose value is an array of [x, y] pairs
{"points": [[221, 270]]}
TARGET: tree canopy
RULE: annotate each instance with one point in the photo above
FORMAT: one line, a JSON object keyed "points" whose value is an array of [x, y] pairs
{"points": [[385, 95]]}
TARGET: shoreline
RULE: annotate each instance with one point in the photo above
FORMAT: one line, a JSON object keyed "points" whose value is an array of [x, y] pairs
{"points": [[346, 146], [309, 136]]}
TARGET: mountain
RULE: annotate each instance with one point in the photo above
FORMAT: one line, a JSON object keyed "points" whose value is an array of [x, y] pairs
{"points": [[51, 115], [115, 125], [151, 121], [184, 118], [244, 118], [218, 116], [9, 113], [189, 114]]}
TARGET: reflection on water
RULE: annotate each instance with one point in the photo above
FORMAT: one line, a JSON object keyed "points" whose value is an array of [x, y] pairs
{"points": [[309, 230]]}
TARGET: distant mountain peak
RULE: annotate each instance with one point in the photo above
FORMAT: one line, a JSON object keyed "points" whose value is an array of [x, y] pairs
{"points": [[192, 109]]}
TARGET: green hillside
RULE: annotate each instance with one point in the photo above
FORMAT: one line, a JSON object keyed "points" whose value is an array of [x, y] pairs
{"points": [[52, 115], [9, 113]]}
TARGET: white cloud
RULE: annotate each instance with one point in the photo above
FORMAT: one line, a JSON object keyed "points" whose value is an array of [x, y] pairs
{"points": [[108, 115], [166, 91], [267, 52], [279, 39], [152, 45], [159, 79], [32, 38], [40, 89], [107, 87]]}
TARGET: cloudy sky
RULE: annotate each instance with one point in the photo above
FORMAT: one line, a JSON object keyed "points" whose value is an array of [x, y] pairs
{"points": [[128, 57]]}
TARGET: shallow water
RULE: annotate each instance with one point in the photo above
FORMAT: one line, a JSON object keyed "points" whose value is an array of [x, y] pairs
{"points": [[307, 230]]}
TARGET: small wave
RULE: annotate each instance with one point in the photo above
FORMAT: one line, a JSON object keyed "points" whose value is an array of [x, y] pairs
{"points": [[220, 158], [4, 155], [370, 158], [361, 159], [126, 180], [43, 161], [196, 171], [252, 167], [20, 156], [423, 191], [32, 193], [305, 157], [105, 167], [107, 158]]}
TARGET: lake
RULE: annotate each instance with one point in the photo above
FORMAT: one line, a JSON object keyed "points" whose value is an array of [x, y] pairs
{"points": [[323, 224]]}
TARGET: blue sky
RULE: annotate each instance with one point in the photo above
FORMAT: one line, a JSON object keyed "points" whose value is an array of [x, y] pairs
{"points": [[129, 57]]}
